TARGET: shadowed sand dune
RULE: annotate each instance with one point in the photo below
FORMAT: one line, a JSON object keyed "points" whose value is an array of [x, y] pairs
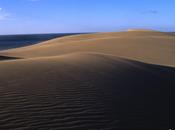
{"points": [[85, 91], [79, 82]]}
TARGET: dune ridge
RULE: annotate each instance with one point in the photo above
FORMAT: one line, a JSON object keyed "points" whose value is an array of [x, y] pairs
{"points": [[150, 47], [85, 82], [141, 30]]}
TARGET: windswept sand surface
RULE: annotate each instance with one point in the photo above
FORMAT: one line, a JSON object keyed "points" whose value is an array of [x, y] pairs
{"points": [[80, 82], [146, 46]]}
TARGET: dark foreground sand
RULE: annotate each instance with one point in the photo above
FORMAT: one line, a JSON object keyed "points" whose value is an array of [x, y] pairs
{"points": [[86, 91]]}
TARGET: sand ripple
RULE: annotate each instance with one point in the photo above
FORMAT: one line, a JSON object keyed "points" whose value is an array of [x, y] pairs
{"points": [[86, 92]]}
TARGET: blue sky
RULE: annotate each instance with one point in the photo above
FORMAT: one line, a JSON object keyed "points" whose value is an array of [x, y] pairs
{"points": [[60, 16]]}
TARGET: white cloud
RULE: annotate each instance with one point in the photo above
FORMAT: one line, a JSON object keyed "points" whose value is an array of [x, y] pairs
{"points": [[3, 15]]}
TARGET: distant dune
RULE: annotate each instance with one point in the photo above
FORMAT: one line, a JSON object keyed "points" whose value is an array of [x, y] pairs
{"points": [[100, 81], [147, 46], [141, 30]]}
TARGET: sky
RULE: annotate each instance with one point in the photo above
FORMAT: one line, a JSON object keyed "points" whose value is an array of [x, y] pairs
{"points": [[69, 16]]}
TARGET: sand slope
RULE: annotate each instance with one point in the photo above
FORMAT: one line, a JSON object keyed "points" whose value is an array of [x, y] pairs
{"points": [[81, 82], [147, 46], [85, 91]]}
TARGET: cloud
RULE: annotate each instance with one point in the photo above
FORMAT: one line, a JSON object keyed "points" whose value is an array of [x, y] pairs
{"points": [[3, 15], [150, 12]]}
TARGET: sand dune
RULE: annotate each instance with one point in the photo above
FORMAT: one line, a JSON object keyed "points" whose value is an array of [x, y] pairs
{"points": [[85, 91], [147, 46], [81, 82]]}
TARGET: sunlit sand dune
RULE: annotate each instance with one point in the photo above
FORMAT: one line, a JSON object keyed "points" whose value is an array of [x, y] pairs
{"points": [[100, 81], [147, 46]]}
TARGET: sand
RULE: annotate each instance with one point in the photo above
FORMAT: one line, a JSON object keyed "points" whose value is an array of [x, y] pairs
{"points": [[97, 81], [149, 46]]}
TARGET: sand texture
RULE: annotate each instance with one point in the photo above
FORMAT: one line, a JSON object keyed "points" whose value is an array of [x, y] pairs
{"points": [[103, 81]]}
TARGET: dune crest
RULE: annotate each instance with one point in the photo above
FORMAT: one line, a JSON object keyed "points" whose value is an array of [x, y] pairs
{"points": [[141, 30], [150, 47]]}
